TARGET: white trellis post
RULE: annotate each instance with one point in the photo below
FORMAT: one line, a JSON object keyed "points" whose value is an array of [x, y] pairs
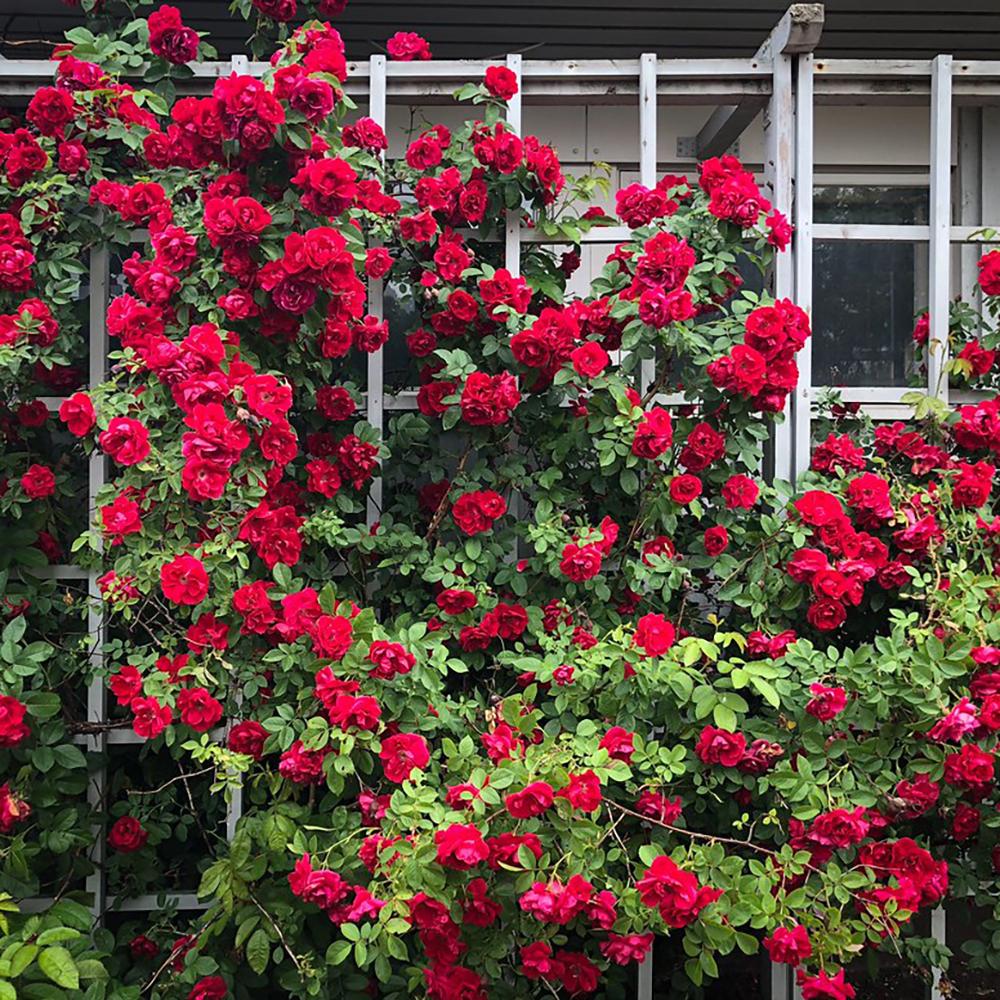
{"points": [[376, 290], [940, 227], [801, 409], [512, 238], [97, 742], [647, 166]]}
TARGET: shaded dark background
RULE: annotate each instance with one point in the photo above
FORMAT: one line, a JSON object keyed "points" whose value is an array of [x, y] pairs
{"points": [[562, 29]]}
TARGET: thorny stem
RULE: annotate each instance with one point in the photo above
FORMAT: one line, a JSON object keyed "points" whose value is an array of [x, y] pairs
{"points": [[443, 505], [696, 835], [277, 930]]}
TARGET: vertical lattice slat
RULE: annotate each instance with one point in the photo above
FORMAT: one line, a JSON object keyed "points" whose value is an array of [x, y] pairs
{"points": [[940, 224], [512, 239], [376, 360], [801, 410], [647, 166], [234, 805], [779, 128], [97, 347]]}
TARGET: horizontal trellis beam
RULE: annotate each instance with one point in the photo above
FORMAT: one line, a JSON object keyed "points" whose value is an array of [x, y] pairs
{"points": [[836, 232]]}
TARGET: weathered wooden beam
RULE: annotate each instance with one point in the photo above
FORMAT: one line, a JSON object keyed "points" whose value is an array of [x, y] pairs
{"points": [[798, 31], [725, 125]]}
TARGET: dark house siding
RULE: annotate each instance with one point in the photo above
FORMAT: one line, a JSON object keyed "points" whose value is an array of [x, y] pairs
{"points": [[556, 29]]}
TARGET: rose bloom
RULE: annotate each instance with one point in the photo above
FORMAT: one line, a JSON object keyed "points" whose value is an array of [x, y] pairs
{"points": [[127, 835], [126, 441], [150, 717], [685, 489], [716, 540], [403, 754], [77, 413], [184, 580], [740, 491], [38, 482], [198, 709], [717, 746], [654, 635], [460, 846], [501, 82], [826, 702], [209, 988], [790, 946], [590, 359], [248, 737]]}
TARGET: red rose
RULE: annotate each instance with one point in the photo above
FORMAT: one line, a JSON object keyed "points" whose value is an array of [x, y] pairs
{"points": [[142, 947], [826, 615], [50, 110], [717, 746], [77, 413], [826, 702], [619, 744], [716, 540], [38, 482], [13, 730], [150, 718], [654, 435], [169, 38], [127, 835], [209, 988], [590, 359], [476, 512], [460, 846], [501, 82], [825, 987], [818, 508], [790, 946], [580, 562], [126, 684], [965, 823], [454, 602], [126, 441], [532, 800], [319, 886], [198, 709], [684, 489], [402, 754], [970, 768], [407, 46], [184, 580], [654, 635], [674, 892], [989, 272], [248, 737]]}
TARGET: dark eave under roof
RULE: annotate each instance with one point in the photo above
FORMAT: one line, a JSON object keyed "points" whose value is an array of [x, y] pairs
{"points": [[563, 29]]}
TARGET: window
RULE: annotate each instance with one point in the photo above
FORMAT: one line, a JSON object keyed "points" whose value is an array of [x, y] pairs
{"points": [[866, 294]]}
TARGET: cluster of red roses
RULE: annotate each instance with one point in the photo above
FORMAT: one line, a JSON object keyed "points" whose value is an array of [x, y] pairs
{"points": [[169, 38], [734, 197], [762, 368]]}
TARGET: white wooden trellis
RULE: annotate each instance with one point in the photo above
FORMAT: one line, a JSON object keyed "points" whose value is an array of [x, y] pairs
{"points": [[787, 82]]}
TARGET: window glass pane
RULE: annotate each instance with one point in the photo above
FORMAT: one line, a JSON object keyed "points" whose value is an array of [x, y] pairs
{"points": [[865, 295], [871, 204]]}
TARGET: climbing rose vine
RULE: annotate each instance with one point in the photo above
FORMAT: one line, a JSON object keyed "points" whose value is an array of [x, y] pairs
{"points": [[538, 672]]}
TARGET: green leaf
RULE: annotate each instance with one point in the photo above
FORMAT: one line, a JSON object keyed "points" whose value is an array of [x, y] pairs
{"points": [[258, 950], [337, 952], [57, 963], [725, 718], [54, 935]]}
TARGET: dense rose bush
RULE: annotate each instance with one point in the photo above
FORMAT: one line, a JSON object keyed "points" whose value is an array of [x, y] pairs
{"points": [[588, 679]]}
